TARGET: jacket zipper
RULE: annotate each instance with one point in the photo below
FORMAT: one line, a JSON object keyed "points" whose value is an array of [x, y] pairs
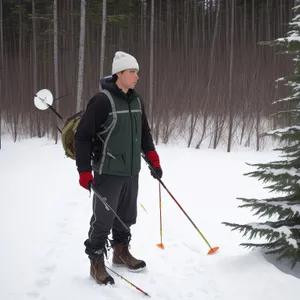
{"points": [[132, 144]]}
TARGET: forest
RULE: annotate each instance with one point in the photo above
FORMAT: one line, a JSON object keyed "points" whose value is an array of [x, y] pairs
{"points": [[207, 73]]}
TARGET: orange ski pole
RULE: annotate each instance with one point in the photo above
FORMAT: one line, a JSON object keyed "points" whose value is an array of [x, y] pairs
{"points": [[160, 245], [212, 250]]}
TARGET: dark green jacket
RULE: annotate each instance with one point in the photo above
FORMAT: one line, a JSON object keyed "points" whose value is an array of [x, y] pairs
{"points": [[119, 129]]}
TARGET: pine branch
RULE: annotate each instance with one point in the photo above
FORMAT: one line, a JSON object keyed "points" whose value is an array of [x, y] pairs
{"points": [[286, 130], [271, 206], [283, 173], [283, 176], [292, 223], [266, 231]]}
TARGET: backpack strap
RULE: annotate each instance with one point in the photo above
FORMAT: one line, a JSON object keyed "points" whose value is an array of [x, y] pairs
{"points": [[109, 129], [113, 113], [140, 104]]}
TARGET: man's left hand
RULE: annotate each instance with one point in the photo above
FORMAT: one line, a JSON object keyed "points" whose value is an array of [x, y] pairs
{"points": [[153, 159]]}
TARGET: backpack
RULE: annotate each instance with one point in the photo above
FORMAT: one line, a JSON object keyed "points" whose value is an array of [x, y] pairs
{"points": [[70, 127], [68, 133]]}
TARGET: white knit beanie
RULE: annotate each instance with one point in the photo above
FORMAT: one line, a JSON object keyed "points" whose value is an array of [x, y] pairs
{"points": [[123, 61]]}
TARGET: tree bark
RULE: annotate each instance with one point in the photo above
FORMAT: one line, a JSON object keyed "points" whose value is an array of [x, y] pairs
{"points": [[151, 69], [103, 35], [230, 94], [80, 79], [55, 61]]}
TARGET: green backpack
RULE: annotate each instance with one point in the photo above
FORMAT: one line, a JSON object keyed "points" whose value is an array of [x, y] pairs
{"points": [[68, 133], [70, 127]]}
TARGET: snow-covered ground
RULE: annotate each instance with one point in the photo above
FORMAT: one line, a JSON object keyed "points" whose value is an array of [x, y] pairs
{"points": [[44, 220]]}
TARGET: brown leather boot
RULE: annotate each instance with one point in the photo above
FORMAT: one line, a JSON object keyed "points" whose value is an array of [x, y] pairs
{"points": [[98, 271], [123, 258]]}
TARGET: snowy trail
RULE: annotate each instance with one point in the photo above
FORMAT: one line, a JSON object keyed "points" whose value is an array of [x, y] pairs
{"points": [[44, 219]]}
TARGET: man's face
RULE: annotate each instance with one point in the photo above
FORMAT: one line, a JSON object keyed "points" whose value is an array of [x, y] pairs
{"points": [[128, 78]]}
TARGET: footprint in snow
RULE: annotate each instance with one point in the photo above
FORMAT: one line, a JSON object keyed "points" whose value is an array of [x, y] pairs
{"points": [[34, 294], [49, 269], [43, 282], [61, 225], [46, 273]]}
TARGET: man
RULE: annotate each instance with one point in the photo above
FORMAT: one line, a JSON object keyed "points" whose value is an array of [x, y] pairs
{"points": [[114, 131]]}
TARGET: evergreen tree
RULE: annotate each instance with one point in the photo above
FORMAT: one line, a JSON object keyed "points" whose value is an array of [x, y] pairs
{"points": [[282, 236]]}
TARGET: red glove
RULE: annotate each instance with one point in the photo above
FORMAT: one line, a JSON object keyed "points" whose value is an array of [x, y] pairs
{"points": [[153, 158], [85, 179]]}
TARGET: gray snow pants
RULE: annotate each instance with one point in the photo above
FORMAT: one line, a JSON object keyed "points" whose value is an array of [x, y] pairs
{"points": [[121, 194]]}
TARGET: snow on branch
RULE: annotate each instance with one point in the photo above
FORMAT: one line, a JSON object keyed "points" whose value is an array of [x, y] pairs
{"points": [[284, 130], [283, 231]]}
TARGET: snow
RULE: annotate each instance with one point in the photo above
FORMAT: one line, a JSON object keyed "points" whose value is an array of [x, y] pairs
{"points": [[287, 99], [296, 7], [294, 208], [281, 131], [292, 172], [291, 38], [44, 220], [293, 35], [283, 230]]}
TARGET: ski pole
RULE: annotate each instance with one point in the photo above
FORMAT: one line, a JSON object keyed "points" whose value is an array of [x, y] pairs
{"points": [[212, 250], [143, 207], [140, 290], [107, 206], [160, 245], [59, 98], [102, 199], [51, 107]]}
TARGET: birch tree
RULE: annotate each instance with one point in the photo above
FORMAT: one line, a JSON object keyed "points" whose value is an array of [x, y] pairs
{"points": [[151, 69], [103, 34], [230, 94], [81, 56], [55, 57], [34, 66], [55, 50], [34, 53]]}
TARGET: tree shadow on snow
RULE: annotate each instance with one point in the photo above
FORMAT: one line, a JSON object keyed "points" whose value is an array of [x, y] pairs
{"points": [[284, 265]]}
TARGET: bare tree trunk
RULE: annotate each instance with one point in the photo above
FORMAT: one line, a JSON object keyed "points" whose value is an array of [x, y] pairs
{"points": [[192, 128], [55, 50], [204, 130], [34, 47], [15, 111], [34, 64], [212, 51], [145, 23], [72, 56], [103, 35], [81, 57], [157, 111], [55, 56], [151, 64], [257, 131], [230, 94], [211, 67]]}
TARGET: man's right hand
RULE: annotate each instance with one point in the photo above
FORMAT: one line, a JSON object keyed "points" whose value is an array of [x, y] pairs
{"points": [[85, 179]]}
